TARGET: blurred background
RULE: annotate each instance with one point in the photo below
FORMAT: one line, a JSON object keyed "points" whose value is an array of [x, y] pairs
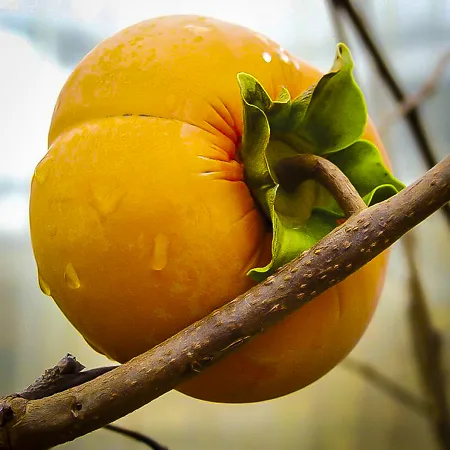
{"points": [[40, 43]]}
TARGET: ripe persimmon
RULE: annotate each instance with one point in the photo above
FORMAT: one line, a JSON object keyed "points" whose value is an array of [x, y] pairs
{"points": [[141, 220]]}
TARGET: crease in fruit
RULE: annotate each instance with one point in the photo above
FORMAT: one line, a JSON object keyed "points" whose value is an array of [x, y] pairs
{"points": [[77, 126], [220, 169], [226, 127]]}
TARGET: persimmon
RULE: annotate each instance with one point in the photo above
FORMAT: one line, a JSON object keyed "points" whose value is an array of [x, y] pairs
{"points": [[141, 218]]}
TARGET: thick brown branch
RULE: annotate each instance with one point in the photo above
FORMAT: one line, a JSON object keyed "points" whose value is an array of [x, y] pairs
{"points": [[39, 424], [292, 171]]}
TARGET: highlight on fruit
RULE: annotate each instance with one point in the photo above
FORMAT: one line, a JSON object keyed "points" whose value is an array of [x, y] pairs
{"points": [[158, 200]]}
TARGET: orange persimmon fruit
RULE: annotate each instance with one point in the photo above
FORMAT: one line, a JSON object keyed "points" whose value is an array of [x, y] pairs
{"points": [[141, 222]]}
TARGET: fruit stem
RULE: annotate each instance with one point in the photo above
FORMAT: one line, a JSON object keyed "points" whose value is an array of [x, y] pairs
{"points": [[293, 171]]}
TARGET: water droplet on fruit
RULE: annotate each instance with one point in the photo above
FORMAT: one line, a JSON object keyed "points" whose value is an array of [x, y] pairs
{"points": [[267, 57], [106, 199], [263, 38], [296, 64], [45, 288], [197, 29], [284, 56], [160, 252], [52, 229], [71, 277], [43, 168]]}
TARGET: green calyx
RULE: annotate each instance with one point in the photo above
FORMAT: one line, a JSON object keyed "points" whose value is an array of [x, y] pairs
{"points": [[328, 120]]}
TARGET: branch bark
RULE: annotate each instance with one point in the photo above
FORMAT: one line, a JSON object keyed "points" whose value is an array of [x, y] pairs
{"points": [[46, 422], [66, 374]]}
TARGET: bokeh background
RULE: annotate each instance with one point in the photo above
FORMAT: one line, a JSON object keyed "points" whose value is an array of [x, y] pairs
{"points": [[42, 40]]}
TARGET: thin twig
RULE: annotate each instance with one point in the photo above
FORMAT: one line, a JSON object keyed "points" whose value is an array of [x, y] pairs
{"points": [[139, 437], [413, 101], [387, 75], [66, 374], [338, 23], [412, 117], [428, 351], [40, 424], [292, 171], [388, 386]]}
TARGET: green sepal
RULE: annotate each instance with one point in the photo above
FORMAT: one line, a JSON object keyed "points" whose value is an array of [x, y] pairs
{"points": [[336, 115], [354, 162], [327, 119]]}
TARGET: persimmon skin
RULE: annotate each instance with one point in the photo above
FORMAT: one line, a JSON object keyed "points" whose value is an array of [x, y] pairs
{"points": [[141, 222]]}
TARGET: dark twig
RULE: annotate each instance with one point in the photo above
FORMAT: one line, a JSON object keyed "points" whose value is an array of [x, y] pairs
{"points": [[386, 74], [70, 373], [66, 374], [40, 424], [139, 437], [412, 116], [292, 171], [338, 23], [389, 386], [428, 350], [416, 99]]}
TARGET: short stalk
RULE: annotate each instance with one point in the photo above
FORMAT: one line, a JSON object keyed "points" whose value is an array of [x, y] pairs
{"points": [[293, 171]]}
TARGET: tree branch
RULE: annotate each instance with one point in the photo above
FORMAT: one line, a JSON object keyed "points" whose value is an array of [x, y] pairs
{"points": [[428, 351], [388, 386], [426, 338], [386, 74], [338, 23], [412, 116], [413, 101], [40, 424], [66, 374]]}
